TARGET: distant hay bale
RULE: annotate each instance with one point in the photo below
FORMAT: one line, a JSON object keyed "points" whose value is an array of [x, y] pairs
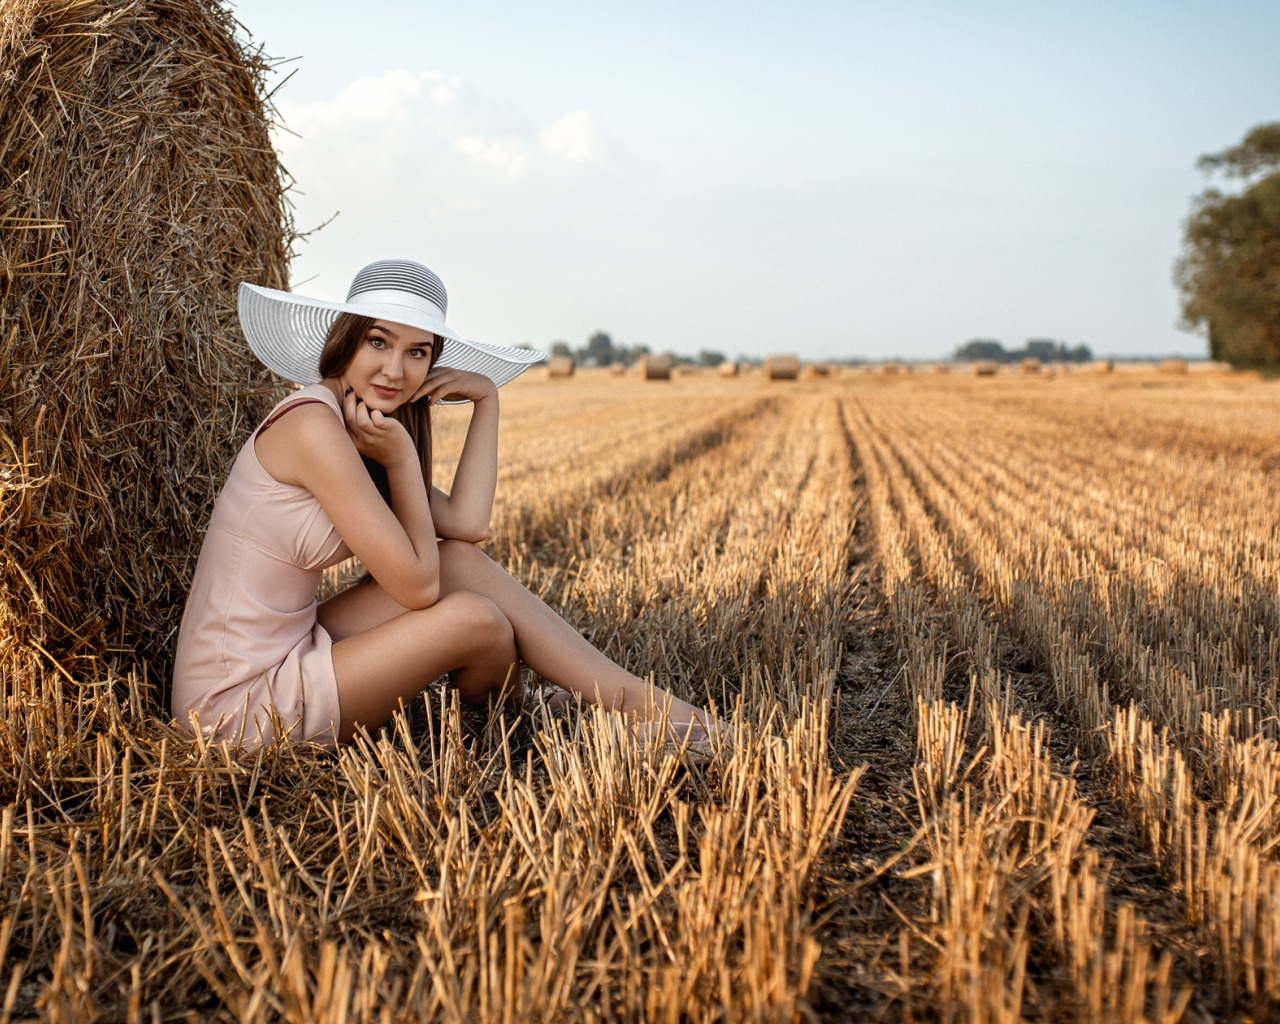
{"points": [[138, 187], [891, 368], [618, 369], [1103, 366], [655, 367], [941, 367], [1172, 366], [781, 367], [985, 367], [727, 369], [1030, 365], [819, 369], [560, 366]]}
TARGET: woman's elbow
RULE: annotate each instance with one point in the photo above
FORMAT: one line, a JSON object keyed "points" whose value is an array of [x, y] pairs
{"points": [[419, 595]]}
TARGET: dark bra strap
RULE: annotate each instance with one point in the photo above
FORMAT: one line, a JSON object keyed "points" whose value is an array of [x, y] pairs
{"points": [[284, 409]]}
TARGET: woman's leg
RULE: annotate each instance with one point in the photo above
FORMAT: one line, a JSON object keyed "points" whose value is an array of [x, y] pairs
{"points": [[546, 643], [396, 656]]}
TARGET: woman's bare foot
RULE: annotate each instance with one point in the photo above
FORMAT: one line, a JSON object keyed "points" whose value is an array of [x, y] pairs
{"points": [[554, 699]]}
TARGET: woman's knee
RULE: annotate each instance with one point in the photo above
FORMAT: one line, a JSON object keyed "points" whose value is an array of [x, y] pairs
{"points": [[478, 618]]}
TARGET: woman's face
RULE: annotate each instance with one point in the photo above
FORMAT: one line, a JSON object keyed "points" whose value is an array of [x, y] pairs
{"points": [[390, 364]]}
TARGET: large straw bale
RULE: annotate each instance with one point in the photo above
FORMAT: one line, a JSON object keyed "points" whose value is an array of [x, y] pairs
{"points": [[138, 185], [781, 367], [1176, 366], [655, 367], [985, 367], [728, 369], [560, 366], [1031, 365]]}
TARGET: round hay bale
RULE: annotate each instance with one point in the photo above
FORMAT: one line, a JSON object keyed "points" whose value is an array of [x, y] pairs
{"points": [[727, 369], [819, 370], [1103, 366], [985, 367], [138, 187], [781, 367], [891, 368], [618, 369], [655, 367], [941, 367], [1030, 365], [1172, 366], [560, 366]]}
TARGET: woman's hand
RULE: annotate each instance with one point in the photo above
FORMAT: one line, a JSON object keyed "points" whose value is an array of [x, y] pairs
{"points": [[378, 437], [447, 384]]}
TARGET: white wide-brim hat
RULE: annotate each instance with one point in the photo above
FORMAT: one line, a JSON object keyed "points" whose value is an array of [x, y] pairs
{"points": [[287, 331]]}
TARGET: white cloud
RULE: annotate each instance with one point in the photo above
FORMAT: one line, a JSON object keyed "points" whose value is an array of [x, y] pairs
{"points": [[573, 137], [420, 163], [507, 153], [389, 98], [444, 93]]}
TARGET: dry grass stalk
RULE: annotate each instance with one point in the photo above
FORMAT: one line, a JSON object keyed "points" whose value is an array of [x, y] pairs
{"points": [[1220, 857], [1082, 549]]}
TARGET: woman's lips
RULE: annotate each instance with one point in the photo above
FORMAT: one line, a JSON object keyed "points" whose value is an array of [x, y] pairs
{"points": [[382, 392]]}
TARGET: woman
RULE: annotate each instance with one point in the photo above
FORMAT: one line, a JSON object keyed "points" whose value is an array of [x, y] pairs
{"points": [[342, 467]]}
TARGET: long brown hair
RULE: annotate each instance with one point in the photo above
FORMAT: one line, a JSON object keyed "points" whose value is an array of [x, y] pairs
{"points": [[346, 335]]}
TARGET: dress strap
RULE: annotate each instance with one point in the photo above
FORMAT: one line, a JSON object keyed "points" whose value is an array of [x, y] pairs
{"points": [[284, 409]]}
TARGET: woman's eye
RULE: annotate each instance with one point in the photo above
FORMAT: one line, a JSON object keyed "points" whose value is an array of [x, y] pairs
{"points": [[418, 353], [376, 342]]}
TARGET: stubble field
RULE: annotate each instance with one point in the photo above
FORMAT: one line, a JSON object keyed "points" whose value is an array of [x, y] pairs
{"points": [[1003, 656]]}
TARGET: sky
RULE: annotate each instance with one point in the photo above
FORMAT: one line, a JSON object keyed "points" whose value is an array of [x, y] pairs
{"points": [[838, 179]]}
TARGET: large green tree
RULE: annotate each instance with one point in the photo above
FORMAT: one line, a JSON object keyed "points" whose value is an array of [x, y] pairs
{"points": [[1229, 272]]}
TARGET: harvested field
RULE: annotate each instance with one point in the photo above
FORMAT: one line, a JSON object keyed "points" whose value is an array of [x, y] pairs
{"points": [[1004, 652]]}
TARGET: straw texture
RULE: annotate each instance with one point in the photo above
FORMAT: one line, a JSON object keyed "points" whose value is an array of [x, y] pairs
{"points": [[138, 185]]}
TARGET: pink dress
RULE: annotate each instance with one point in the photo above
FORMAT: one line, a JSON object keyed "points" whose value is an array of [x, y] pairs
{"points": [[252, 661]]}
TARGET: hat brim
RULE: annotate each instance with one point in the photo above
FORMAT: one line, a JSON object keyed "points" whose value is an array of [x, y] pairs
{"points": [[287, 332]]}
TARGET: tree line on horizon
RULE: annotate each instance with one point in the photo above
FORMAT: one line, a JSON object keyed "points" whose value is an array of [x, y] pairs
{"points": [[602, 350], [1229, 271], [1047, 350]]}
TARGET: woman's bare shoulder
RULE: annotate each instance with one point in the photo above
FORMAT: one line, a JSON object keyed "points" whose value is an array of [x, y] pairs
{"points": [[306, 433]]}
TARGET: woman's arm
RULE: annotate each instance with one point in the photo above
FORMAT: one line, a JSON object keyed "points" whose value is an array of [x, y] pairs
{"points": [[310, 449], [464, 513]]}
